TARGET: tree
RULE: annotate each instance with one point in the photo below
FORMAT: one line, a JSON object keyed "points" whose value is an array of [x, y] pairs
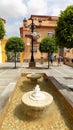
{"points": [[14, 45], [47, 45], [64, 28], [2, 29]]}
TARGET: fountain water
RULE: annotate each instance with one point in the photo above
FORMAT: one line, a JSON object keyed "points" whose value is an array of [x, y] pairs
{"points": [[37, 94]]}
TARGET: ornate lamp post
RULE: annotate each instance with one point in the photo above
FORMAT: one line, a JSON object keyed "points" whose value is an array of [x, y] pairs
{"points": [[32, 62], [33, 36]]}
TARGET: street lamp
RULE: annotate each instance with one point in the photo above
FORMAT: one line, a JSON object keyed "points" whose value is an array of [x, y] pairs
{"points": [[32, 63], [33, 36]]}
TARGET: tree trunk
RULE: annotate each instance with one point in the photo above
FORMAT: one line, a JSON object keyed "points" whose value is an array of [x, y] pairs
{"points": [[15, 60], [61, 53], [48, 60]]}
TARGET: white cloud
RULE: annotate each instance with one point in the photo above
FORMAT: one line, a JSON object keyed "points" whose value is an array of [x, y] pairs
{"points": [[38, 7], [55, 7], [14, 8], [22, 8]]}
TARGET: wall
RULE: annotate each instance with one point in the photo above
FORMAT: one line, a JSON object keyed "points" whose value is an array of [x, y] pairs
{"points": [[4, 57]]}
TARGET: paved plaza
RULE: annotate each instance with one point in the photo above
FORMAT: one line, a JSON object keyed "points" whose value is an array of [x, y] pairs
{"points": [[61, 76]]}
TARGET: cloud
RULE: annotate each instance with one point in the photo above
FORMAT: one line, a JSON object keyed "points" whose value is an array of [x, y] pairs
{"points": [[38, 7], [47, 7], [23, 8], [14, 11], [14, 8], [55, 7]]}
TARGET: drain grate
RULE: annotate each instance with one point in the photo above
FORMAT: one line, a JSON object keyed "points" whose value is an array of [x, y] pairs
{"points": [[68, 77]]}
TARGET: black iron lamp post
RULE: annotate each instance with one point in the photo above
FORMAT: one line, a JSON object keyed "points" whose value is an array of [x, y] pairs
{"points": [[32, 26], [32, 62]]}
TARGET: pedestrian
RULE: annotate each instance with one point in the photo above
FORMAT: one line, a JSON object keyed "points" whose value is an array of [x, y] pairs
{"points": [[51, 58]]}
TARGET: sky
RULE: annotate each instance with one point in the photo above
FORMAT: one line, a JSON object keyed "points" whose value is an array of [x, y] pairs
{"points": [[14, 11]]}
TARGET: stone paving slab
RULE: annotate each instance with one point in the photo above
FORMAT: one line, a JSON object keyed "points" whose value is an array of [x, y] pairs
{"points": [[5, 95], [65, 91], [2, 89]]}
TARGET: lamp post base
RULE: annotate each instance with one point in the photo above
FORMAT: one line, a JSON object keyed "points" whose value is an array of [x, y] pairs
{"points": [[32, 64]]}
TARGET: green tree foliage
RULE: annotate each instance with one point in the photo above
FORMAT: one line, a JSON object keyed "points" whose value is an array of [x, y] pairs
{"points": [[2, 29], [15, 45], [47, 45], [64, 29]]}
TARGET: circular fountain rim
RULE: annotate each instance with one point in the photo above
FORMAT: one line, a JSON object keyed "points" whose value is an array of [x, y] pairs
{"points": [[33, 75], [27, 101]]}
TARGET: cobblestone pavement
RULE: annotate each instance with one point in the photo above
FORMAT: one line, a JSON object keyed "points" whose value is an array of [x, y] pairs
{"points": [[61, 76]]}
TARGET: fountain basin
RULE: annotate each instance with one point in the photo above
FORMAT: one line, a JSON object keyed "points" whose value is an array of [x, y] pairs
{"points": [[33, 76], [59, 117], [36, 108]]}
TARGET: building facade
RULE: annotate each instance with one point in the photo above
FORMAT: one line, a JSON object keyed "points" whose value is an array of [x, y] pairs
{"points": [[46, 28]]}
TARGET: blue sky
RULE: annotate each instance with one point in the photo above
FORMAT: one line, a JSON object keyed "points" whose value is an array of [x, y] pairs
{"points": [[14, 11]]}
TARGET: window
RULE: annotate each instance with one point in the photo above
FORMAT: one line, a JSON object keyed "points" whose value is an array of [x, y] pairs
{"points": [[34, 48], [50, 34], [67, 50], [21, 35]]}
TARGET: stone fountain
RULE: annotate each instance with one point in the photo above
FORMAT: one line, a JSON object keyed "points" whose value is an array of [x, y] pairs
{"points": [[36, 102], [33, 76]]}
